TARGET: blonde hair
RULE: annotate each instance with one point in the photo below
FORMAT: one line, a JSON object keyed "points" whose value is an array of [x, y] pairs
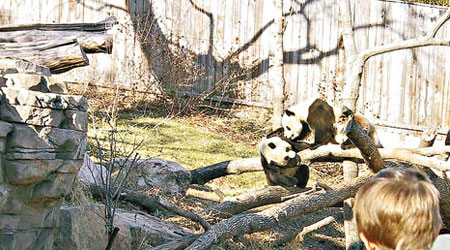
{"points": [[399, 209]]}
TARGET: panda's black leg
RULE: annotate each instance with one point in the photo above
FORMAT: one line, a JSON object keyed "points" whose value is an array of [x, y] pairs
{"points": [[302, 176], [283, 180]]}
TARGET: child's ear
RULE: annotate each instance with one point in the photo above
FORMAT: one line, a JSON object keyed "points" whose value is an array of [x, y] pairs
{"points": [[369, 245]]}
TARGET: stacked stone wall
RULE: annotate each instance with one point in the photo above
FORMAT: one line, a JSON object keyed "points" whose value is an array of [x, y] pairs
{"points": [[42, 144]]}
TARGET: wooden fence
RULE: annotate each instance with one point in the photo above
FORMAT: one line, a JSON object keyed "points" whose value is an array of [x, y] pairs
{"points": [[230, 37]]}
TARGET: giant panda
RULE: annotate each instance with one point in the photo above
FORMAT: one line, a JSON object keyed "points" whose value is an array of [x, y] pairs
{"points": [[281, 163], [343, 115], [313, 117]]}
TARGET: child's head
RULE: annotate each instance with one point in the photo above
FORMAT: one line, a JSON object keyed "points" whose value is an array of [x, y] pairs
{"points": [[398, 209]]}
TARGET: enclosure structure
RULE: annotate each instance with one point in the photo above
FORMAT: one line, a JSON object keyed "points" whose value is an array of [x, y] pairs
{"points": [[230, 42]]}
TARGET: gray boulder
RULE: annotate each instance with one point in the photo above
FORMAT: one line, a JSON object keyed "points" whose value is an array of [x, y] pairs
{"points": [[81, 227], [90, 172], [169, 176]]}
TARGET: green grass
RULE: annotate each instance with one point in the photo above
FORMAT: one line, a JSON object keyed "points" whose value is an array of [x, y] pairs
{"points": [[192, 145], [433, 2]]}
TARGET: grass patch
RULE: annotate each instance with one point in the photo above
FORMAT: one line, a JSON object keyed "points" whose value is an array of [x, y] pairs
{"points": [[193, 142]]}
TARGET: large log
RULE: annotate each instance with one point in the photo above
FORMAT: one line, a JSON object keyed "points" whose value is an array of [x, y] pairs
{"points": [[57, 55], [244, 202], [149, 203], [99, 26], [363, 142], [90, 42], [205, 174], [270, 218], [301, 226], [326, 153]]}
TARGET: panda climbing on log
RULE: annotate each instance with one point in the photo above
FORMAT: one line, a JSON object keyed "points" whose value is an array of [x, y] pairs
{"points": [[343, 115], [324, 122], [282, 165], [313, 117]]}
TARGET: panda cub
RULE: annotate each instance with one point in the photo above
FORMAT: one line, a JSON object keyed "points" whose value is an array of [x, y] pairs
{"points": [[281, 164], [313, 117], [343, 115]]}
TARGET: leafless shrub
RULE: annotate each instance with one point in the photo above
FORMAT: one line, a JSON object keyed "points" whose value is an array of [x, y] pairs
{"points": [[176, 70], [106, 152]]}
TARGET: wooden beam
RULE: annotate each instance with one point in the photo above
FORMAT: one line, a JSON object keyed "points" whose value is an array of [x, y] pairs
{"points": [[91, 42], [100, 26]]}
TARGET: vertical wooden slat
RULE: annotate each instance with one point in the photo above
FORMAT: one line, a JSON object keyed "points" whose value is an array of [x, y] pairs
{"points": [[240, 38], [292, 43], [206, 6], [249, 33], [445, 123], [258, 12]]}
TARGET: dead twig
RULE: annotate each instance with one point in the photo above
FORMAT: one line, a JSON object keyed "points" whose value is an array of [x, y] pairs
{"points": [[182, 212], [316, 187]]}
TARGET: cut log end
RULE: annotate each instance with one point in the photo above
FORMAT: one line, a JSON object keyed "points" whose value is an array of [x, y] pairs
{"points": [[428, 137]]}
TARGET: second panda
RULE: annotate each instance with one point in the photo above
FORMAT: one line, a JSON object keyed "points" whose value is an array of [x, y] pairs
{"points": [[343, 115], [313, 117], [282, 165]]}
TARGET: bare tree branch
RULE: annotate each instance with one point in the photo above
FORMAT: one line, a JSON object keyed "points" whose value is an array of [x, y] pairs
{"points": [[440, 22], [182, 212], [351, 89]]}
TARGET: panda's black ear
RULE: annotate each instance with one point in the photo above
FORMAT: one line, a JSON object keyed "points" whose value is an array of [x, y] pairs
{"points": [[346, 111], [272, 145], [289, 113]]}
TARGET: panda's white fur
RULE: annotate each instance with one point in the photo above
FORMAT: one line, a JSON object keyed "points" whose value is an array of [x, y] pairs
{"points": [[280, 153], [281, 163], [293, 125], [312, 119]]}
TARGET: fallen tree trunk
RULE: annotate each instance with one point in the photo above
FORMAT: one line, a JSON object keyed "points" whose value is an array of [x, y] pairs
{"points": [[301, 226], [149, 203], [57, 55], [205, 174], [177, 244], [366, 146], [236, 205], [326, 153], [254, 222]]}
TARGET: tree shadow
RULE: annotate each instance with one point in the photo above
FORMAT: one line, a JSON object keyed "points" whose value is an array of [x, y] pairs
{"points": [[160, 53]]}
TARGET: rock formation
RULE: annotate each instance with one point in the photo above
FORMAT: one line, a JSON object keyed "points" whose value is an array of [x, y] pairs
{"points": [[42, 144]]}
